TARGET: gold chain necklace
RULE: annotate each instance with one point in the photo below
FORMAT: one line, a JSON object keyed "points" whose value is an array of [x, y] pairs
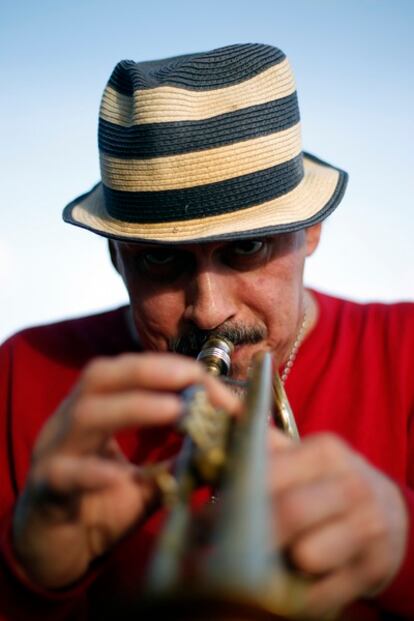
{"points": [[295, 347]]}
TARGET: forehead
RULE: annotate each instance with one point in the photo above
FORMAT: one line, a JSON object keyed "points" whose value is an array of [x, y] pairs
{"points": [[204, 247]]}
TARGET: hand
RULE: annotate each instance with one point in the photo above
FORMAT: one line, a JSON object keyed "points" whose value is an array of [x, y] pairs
{"points": [[340, 520], [82, 495]]}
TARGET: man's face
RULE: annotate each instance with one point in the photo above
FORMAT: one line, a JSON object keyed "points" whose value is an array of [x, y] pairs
{"points": [[249, 290]]}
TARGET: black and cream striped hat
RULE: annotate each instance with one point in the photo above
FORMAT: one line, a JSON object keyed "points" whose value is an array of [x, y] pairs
{"points": [[204, 147]]}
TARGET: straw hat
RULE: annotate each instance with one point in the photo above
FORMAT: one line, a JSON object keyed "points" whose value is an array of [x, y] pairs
{"points": [[202, 147]]}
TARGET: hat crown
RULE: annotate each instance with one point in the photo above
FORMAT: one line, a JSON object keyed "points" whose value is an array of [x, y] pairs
{"points": [[221, 67], [179, 136]]}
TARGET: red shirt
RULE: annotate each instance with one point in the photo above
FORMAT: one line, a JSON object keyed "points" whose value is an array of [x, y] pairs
{"points": [[353, 375]]}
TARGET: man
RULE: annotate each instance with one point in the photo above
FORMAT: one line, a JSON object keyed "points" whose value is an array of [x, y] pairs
{"points": [[211, 209]]}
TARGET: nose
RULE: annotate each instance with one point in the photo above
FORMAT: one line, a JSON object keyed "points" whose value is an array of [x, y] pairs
{"points": [[210, 300]]}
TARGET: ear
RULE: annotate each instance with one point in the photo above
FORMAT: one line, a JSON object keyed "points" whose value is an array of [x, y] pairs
{"points": [[312, 237], [113, 254]]}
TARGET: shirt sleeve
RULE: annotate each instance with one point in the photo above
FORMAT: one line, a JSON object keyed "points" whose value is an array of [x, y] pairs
{"points": [[20, 598]]}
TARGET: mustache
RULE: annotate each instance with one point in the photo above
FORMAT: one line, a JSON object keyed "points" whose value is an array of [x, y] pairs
{"points": [[190, 342]]}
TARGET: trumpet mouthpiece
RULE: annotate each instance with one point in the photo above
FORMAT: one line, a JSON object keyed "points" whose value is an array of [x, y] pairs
{"points": [[216, 355]]}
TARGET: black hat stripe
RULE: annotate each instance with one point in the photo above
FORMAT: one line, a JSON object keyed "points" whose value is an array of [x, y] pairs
{"points": [[222, 67], [214, 199], [155, 140], [200, 167], [169, 104]]}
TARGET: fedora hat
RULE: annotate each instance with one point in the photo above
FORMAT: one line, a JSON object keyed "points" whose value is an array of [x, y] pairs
{"points": [[204, 147]]}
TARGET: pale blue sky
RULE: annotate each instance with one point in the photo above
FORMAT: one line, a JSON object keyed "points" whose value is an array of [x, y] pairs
{"points": [[354, 67]]}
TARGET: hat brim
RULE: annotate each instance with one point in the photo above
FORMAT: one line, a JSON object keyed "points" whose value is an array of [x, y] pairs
{"points": [[310, 202]]}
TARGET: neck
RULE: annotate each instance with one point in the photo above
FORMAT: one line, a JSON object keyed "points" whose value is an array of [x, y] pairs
{"points": [[307, 322], [312, 311]]}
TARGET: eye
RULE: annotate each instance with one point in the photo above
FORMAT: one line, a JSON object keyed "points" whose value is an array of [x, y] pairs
{"points": [[247, 247], [162, 264], [246, 254], [159, 257]]}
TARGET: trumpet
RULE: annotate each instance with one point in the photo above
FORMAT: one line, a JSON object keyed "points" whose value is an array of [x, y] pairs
{"points": [[237, 574]]}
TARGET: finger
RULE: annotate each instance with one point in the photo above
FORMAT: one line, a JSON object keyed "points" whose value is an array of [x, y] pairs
{"points": [[330, 546], [314, 458], [112, 450], [85, 423], [161, 371], [221, 396], [302, 508], [361, 538], [65, 476], [155, 371], [90, 422], [158, 371]]}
